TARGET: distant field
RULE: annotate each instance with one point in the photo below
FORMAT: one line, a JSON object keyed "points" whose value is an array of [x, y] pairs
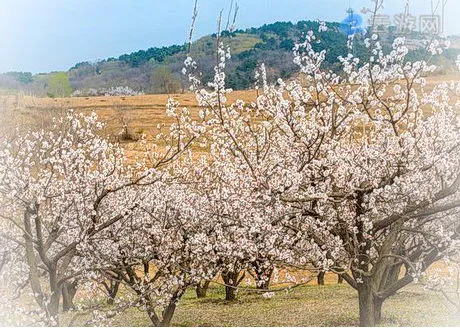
{"points": [[142, 114]]}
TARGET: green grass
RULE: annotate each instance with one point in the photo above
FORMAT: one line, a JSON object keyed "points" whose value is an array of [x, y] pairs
{"points": [[330, 305], [312, 305], [239, 43]]}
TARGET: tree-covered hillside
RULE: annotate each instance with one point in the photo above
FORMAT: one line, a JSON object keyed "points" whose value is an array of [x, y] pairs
{"points": [[158, 70]]}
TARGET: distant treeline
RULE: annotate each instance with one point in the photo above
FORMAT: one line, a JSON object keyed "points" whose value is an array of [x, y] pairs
{"points": [[158, 69]]}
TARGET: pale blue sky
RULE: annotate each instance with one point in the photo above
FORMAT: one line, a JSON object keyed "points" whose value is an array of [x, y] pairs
{"points": [[45, 35]]}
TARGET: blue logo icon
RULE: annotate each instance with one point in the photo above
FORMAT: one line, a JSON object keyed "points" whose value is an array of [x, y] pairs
{"points": [[352, 24]]}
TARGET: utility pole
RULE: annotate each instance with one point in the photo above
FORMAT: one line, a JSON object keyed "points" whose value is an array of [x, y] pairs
{"points": [[406, 17], [407, 9]]}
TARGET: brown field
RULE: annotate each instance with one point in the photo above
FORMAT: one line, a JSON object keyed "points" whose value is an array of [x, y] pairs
{"points": [[142, 114], [145, 110]]}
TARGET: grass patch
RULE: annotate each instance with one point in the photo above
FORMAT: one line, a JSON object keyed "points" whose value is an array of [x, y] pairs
{"points": [[330, 305]]}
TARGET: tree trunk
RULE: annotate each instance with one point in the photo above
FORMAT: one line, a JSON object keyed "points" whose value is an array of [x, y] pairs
{"points": [[320, 278], [230, 293], [168, 314], [152, 315], [378, 302], [231, 283], [113, 291], [264, 284], [339, 279], [32, 261], [55, 297], [202, 289], [68, 294], [263, 277], [366, 304], [53, 307]]}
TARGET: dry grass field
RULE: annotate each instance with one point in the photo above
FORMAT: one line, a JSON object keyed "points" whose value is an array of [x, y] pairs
{"points": [[141, 113]]}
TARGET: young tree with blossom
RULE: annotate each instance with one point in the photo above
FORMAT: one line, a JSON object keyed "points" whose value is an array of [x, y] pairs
{"points": [[157, 251], [56, 191], [62, 188]]}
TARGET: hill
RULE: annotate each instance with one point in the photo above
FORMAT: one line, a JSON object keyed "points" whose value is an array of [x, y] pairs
{"points": [[158, 70]]}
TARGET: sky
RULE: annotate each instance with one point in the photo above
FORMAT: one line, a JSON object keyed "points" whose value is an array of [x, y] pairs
{"points": [[51, 35]]}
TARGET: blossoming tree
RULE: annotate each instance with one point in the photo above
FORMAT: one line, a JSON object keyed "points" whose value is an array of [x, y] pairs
{"points": [[61, 188], [366, 164], [56, 189]]}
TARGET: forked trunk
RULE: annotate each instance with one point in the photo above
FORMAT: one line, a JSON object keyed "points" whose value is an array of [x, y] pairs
{"points": [[152, 315], [340, 279], [231, 280], [263, 279], [113, 291], [168, 314], [202, 289], [263, 284]]}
